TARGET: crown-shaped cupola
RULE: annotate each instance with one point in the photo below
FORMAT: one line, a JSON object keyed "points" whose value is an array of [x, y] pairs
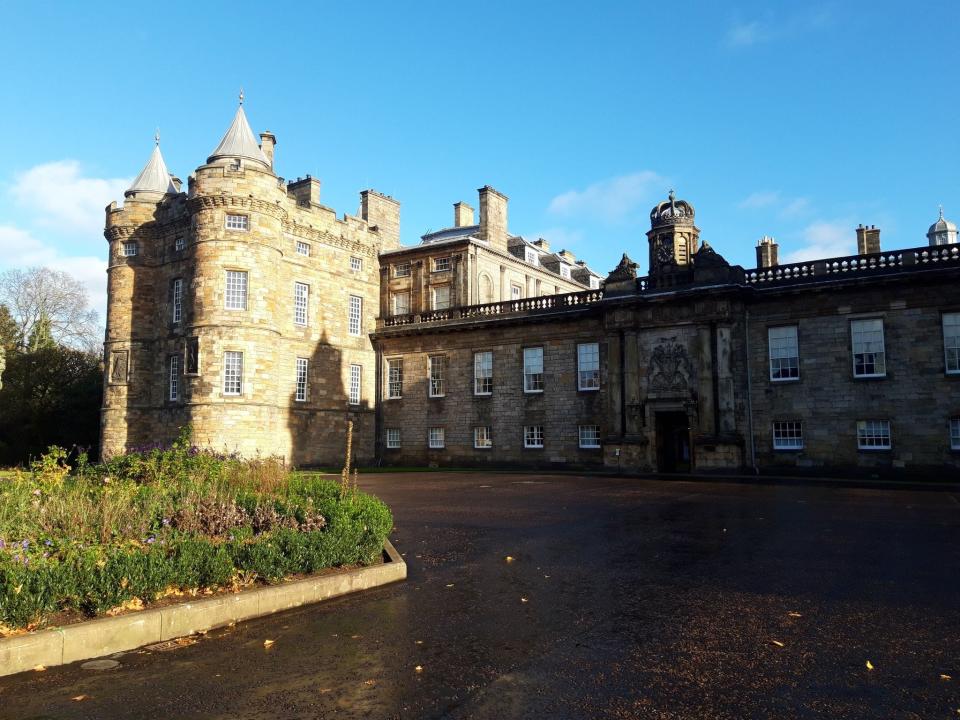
{"points": [[239, 142], [154, 181]]}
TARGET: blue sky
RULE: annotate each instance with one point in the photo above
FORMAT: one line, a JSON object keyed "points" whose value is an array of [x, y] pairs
{"points": [[797, 120]]}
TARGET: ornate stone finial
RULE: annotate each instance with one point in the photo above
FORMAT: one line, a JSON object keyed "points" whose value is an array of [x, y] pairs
{"points": [[156, 137], [241, 96], [941, 211], [670, 195]]}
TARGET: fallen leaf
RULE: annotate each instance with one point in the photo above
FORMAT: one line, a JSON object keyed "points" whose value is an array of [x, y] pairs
{"points": [[354, 637], [777, 643], [369, 682], [78, 698], [268, 643], [869, 665], [947, 678]]}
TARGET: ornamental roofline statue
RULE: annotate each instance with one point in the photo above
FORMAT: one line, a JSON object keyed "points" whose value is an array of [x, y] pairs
{"points": [[626, 269], [672, 212], [239, 142]]}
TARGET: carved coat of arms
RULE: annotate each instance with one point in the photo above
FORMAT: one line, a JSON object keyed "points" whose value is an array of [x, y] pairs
{"points": [[670, 369]]}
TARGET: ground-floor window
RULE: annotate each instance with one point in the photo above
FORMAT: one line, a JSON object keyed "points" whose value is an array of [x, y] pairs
{"points": [[232, 373], [393, 438], [589, 436], [873, 434], [435, 437], [482, 438], [533, 436], [955, 433], [787, 435]]}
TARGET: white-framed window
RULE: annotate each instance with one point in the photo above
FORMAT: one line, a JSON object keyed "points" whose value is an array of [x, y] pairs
{"points": [[787, 435], [588, 366], [564, 271], [441, 264], [401, 270], [180, 243], [301, 301], [594, 283], [303, 248], [436, 368], [531, 256], [303, 367], [356, 314], [955, 433], [533, 370], [784, 353], [355, 373], [236, 295], [441, 297], [435, 437], [483, 373], [533, 436], [395, 378], [232, 373], [393, 438], [589, 436], [516, 292], [130, 249], [869, 359], [482, 439], [237, 222], [401, 303], [176, 305], [951, 343], [356, 264], [873, 434], [173, 386]]}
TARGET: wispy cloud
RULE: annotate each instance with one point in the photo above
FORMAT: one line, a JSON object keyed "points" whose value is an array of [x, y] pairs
{"points": [[744, 33], [785, 207], [560, 238], [757, 200], [824, 239], [612, 200]]}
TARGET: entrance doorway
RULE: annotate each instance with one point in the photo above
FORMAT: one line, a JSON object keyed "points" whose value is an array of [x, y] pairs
{"points": [[673, 442]]}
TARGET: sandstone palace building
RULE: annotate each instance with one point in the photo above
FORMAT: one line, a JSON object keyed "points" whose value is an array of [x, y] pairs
{"points": [[245, 308]]}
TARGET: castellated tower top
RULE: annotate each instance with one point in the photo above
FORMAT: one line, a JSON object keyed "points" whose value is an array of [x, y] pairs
{"points": [[239, 141], [154, 179]]}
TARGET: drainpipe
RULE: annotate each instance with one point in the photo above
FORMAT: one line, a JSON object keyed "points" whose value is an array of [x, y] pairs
{"points": [[378, 405], [753, 450]]}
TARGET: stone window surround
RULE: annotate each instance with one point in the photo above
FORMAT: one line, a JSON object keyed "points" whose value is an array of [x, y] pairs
{"points": [[173, 379], [592, 437], [131, 248], [392, 438], [951, 352], [580, 386], [180, 243], [356, 384], [394, 383], [401, 308], [771, 357], [435, 438], [176, 291], [873, 434], [302, 380], [226, 288], [445, 305], [954, 433], [355, 316], [301, 303], [882, 353], [488, 373], [303, 248], [356, 263], [236, 222], [533, 437], [533, 381], [441, 264], [402, 270], [482, 438], [232, 370], [436, 372], [788, 430]]}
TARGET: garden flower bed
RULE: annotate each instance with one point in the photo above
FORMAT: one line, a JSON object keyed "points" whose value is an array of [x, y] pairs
{"points": [[95, 539]]}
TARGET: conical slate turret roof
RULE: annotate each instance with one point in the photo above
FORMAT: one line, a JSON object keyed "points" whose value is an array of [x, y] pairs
{"points": [[154, 177], [239, 141]]}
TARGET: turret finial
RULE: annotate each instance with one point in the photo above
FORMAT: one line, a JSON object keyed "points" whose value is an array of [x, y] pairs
{"points": [[941, 211], [156, 137], [241, 96], [671, 195]]}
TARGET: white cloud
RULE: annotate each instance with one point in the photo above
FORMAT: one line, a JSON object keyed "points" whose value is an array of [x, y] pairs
{"points": [[757, 200], [20, 249], [610, 200], [560, 238], [747, 33], [825, 239], [744, 34], [795, 207], [59, 196]]}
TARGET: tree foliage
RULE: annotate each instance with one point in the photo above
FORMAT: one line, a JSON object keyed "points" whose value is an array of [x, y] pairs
{"points": [[50, 396]]}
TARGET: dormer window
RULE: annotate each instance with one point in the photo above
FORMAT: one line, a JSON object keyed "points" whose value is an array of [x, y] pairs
{"points": [[532, 256], [594, 283], [564, 271]]}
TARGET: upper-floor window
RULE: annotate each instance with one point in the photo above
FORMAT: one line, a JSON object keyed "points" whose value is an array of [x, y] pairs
{"points": [[356, 264], [873, 434], [401, 270], [401, 303], [356, 371], [437, 366], [130, 249], [589, 436], [303, 365], [594, 283], [232, 373], [395, 378], [533, 436], [301, 301], [564, 271], [533, 370], [531, 256], [173, 386], [236, 295], [955, 433], [588, 366], [441, 264], [180, 243], [356, 314], [516, 292], [303, 248], [482, 439], [441, 297], [176, 301], [787, 435], [868, 353], [784, 353], [951, 342], [237, 222], [483, 373]]}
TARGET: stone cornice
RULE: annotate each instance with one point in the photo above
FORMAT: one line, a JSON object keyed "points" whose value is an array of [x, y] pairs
{"points": [[328, 238], [209, 202]]}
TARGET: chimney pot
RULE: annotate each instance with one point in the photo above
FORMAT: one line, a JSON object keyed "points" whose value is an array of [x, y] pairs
{"points": [[462, 215], [268, 141]]}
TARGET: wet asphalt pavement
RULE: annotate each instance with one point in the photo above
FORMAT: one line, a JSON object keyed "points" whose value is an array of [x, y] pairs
{"points": [[626, 599]]}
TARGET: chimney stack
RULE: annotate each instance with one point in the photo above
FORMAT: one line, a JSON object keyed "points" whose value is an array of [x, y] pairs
{"points": [[768, 252], [868, 239], [306, 191], [493, 218], [268, 141], [462, 215], [383, 212]]}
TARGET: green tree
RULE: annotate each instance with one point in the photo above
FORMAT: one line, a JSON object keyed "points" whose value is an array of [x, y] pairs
{"points": [[41, 336], [9, 331]]}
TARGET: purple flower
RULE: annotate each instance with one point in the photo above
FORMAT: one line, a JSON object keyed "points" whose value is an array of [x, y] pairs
{"points": [[166, 521], [2, 544], [46, 554], [151, 540], [25, 544], [48, 543]]}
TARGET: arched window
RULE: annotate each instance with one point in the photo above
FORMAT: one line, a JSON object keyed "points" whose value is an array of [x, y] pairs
{"points": [[486, 289]]}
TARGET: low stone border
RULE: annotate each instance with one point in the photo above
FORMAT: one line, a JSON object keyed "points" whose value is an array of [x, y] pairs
{"points": [[104, 636]]}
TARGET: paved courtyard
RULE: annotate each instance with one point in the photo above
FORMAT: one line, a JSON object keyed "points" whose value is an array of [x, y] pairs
{"points": [[624, 599]]}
